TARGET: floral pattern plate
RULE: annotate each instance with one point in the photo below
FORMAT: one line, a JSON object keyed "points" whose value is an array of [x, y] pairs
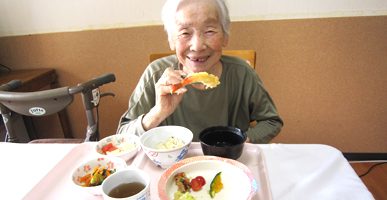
{"points": [[110, 163]]}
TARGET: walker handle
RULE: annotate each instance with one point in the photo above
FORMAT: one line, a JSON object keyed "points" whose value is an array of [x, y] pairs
{"points": [[93, 83], [12, 85]]}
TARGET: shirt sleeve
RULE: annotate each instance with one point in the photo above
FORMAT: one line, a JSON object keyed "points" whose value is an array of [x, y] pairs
{"points": [[264, 131], [140, 102], [133, 126], [143, 97], [264, 112]]}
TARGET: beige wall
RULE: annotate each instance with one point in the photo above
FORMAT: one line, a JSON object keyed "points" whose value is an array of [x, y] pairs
{"points": [[327, 76]]}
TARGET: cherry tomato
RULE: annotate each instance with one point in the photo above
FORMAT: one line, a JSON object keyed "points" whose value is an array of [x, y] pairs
{"points": [[195, 185], [201, 180]]}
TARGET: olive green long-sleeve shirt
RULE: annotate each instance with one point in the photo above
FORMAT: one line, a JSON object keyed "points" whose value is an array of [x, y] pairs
{"points": [[239, 99]]}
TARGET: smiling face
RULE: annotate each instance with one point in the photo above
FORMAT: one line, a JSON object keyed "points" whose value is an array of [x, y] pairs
{"points": [[198, 38]]}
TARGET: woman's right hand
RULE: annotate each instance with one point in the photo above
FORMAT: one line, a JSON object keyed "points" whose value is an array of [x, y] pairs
{"points": [[166, 102]]}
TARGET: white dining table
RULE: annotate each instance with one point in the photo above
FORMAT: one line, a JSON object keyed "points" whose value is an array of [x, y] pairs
{"points": [[294, 171]]}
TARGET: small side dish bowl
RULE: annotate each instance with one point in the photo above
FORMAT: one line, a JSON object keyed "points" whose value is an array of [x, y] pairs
{"points": [[124, 146], [166, 145], [82, 175], [223, 141]]}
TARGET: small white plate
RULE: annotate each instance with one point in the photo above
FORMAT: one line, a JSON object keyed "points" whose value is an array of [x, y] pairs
{"points": [[237, 179]]}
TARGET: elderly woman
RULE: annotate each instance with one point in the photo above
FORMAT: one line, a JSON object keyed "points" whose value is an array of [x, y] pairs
{"points": [[197, 31]]}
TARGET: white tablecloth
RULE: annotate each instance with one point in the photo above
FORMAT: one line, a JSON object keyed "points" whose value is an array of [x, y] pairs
{"points": [[312, 172], [302, 171]]}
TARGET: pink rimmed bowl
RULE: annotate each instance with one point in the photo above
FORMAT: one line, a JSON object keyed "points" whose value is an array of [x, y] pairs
{"points": [[238, 181]]}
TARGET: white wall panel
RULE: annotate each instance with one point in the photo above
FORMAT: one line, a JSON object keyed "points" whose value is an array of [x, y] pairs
{"points": [[23, 17]]}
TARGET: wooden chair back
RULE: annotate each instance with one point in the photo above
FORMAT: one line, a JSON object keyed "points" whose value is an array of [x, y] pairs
{"points": [[248, 55]]}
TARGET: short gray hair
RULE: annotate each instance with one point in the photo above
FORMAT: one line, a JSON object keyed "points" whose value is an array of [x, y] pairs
{"points": [[170, 7]]}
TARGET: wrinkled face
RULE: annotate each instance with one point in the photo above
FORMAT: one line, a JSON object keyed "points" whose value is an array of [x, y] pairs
{"points": [[198, 38]]}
